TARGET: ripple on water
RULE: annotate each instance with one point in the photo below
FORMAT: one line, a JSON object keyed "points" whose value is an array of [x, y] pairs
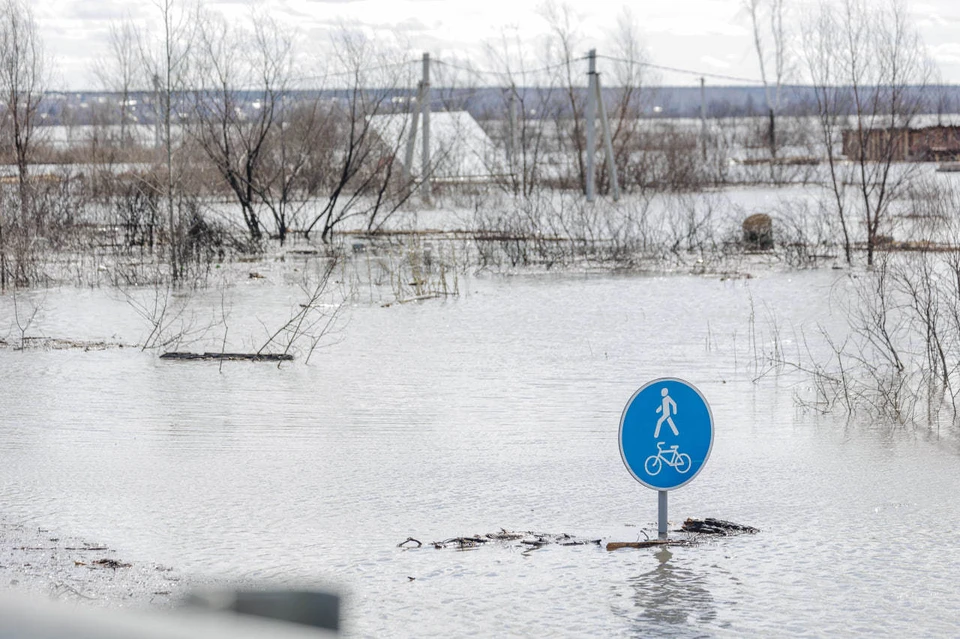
{"points": [[499, 409]]}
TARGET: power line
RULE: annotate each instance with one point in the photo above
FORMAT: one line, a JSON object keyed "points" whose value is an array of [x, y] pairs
{"points": [[474, 71], [699, 74], [507, 74], [552, 67], [341, 74]]}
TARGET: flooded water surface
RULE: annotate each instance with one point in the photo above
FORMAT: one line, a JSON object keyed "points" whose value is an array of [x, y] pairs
{"points": [[495, 409]]}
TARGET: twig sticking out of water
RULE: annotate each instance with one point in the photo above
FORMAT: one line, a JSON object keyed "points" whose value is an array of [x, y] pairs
{"points": [[409, 540]]}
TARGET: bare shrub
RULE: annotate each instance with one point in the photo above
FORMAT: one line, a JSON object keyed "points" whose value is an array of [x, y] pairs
{"points": [[136, 210], [560, 230], [901, 358], [805, 233]]}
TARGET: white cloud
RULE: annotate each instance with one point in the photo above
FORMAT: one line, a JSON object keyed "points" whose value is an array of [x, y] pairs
{"points": [[946, 53], [696, 34], [716, 63]]}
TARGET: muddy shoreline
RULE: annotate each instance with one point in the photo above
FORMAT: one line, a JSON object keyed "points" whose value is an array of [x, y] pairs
{"points": [[36, 560]]}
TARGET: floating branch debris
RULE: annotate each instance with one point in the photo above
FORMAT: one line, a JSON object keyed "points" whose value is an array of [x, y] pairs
{"points": [[110, 563], [711, 526], [58, 344], [528, 540], [694, 528]]}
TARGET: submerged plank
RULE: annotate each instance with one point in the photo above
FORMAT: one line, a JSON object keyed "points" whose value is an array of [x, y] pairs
{"points": [[250, 357], [652, 543]]}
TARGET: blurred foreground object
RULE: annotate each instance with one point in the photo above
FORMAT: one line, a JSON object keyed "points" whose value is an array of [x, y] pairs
{"points": [[305, 607], [234, 615]]}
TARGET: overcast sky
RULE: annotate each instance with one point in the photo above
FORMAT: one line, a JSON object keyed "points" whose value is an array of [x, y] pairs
{"points": [[703, 35]]}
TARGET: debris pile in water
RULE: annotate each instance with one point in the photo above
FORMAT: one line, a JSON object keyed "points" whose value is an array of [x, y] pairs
{"points": [[532, 540], [527, 539], [711, 526]]}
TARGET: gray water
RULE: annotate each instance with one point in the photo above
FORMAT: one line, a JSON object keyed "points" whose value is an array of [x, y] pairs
{"points": [[499, 408]]}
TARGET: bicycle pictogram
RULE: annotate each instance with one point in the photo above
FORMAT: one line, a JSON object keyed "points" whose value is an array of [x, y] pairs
{"points": [[671, 457]]}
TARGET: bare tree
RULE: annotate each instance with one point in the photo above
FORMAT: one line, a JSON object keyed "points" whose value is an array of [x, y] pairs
{"points": [[121, 70], [165, 57], [870, 63], [822, 41], [282, 185], [562, 46], [526, 102], [359, 162], [23, 75], [231, 64], [632, 81], [772, 51]]}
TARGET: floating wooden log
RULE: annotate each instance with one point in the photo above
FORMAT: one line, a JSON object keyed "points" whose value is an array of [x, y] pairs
{"points": [[249, 357], [650, 543]]}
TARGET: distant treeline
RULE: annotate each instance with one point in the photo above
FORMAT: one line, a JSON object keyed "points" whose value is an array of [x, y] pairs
{"points": [[81, 108]]}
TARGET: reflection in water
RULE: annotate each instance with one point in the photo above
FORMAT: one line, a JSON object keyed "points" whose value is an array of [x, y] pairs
{"points": [[671, 596]]}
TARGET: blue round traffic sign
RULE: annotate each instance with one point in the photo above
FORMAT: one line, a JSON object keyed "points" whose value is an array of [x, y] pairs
{"points": [[666, 433]]}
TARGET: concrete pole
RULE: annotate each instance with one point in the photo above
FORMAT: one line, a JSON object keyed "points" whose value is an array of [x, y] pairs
{"points": [[607, 142], [662, 514], [427, 169], [412, 136], [591, 123], [703, 117]]}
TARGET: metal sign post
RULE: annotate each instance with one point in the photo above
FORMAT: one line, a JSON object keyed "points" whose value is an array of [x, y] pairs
{"points": [[666, 435], [662, 514]]}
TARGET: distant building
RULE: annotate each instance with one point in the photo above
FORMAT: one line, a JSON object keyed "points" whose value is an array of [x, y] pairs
{"points": [[460, 149], [936, 143]]}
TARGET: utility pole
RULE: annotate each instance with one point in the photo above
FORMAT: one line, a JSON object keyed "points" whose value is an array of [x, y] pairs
{"points": [[512, 136], [607, 141], [412, 136], [426, 169], [421, 108], [703, 117], [595, 100], [591, 123]]}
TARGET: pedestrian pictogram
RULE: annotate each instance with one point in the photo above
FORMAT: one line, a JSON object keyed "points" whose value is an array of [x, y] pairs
{"points": [[665, 409]]}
